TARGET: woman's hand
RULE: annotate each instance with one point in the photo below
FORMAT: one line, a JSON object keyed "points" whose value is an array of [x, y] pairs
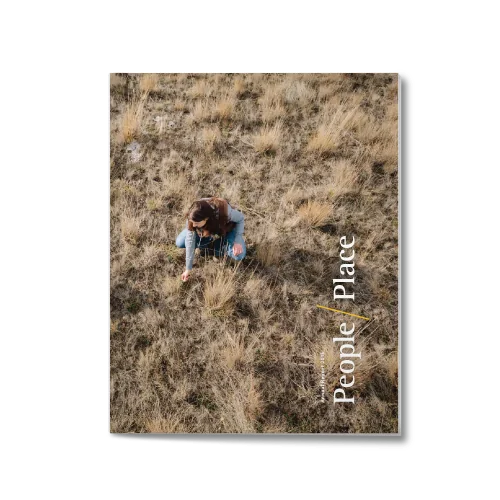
{"points": [[185, 275], [237, 249]]}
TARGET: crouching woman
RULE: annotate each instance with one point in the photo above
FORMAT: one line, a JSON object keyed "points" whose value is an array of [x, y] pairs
{"points": [[212, 224]]}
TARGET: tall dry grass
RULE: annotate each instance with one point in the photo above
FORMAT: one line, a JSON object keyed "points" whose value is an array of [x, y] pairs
{"points": [[327, 139], [149, 82], [315, 214], [130, 122], [268, 139], [201, 88], [239, 86], [269, 252], [211, 138], [219, 291], [224, 108]]}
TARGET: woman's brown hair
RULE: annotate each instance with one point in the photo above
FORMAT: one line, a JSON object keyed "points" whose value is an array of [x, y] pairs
{"points": [[212, 210]]}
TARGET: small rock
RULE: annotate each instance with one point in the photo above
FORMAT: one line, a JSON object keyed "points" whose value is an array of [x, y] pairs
{"points": [[135, 157], [133, 146]]}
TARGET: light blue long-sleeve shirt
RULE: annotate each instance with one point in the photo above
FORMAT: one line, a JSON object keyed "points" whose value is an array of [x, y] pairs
{"points": [[234, 216]]}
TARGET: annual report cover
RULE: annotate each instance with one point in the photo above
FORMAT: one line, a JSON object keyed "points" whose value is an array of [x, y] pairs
{"points": [[254, 253]]}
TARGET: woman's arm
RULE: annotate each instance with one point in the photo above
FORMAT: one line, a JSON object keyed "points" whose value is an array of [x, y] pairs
{"points": [[190, 244], [238, 217]]}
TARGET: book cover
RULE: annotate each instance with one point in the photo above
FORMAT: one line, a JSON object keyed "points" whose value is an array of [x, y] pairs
{"points": [[254, 253]]}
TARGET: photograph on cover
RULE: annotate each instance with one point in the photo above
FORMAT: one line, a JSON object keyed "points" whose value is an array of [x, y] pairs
{"points": [[254, 253]]}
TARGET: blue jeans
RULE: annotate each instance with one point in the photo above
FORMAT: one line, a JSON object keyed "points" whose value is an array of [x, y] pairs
{"points": [[222, 246]]}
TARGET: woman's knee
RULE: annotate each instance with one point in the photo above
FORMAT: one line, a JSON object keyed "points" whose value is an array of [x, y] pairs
{"points": [[180, 241]]}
